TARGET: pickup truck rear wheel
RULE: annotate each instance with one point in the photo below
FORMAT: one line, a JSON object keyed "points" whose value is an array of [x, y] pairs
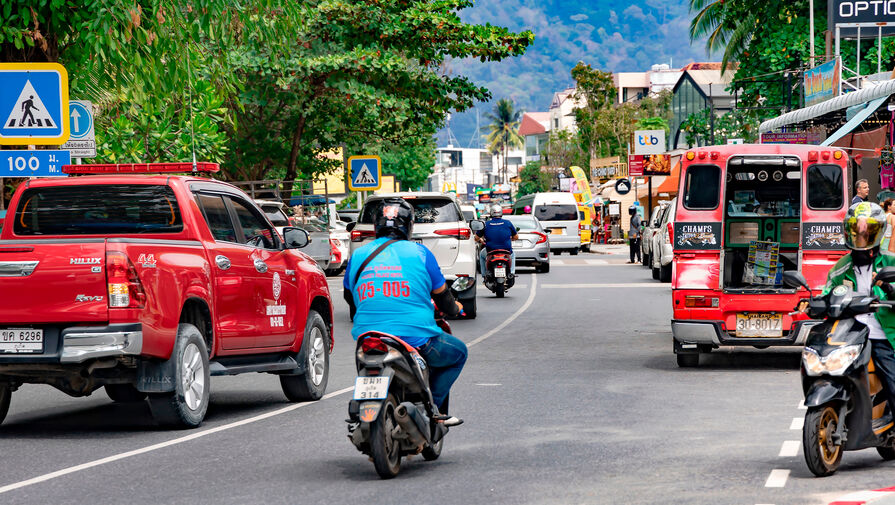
{"points": [[185, 407], [124, 393], [5, 395], [315, 351]]}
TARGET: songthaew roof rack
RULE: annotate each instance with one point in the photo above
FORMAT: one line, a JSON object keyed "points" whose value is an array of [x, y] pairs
{"points": [[141, 168]]}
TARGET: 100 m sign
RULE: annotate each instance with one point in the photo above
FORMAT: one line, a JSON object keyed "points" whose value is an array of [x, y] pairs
{"points": [[37, 163]]}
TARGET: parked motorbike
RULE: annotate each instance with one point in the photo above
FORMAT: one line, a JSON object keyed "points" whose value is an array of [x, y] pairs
{"points": [[392, 413], [845, 396], [497, 277]]}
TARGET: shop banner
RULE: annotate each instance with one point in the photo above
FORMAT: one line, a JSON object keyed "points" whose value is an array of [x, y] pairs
{"points": [[823, 82], [698, 236], [656, 164], [581, 185], [812, 138], [635, 165], [824, 236]]}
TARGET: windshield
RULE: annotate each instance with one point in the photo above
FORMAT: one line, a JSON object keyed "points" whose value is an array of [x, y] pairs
{"points": [[556, 212], [98, 210], [425, 210], [275, 215]]}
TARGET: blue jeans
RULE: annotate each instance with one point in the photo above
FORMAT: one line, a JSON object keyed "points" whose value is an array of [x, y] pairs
{"points": [[884, 360], [445, 355], [484, 266]]}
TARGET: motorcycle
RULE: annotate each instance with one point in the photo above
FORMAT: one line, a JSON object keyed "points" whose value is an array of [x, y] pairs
{"points": [[497, 277], [845, 396], [392, 413]]}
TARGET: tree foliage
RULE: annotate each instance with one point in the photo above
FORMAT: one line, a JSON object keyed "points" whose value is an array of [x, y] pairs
{"points": [[503, 131], [736, 124], [533, 179]]}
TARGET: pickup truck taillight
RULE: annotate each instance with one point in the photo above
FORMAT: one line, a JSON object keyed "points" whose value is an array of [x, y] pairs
{"points": [[359, 235], [461, 233], [125, 288]]}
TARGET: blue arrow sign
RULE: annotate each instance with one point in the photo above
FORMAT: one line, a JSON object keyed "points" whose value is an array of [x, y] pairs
{"points": [[365, 173], [81, 119], [33, 104], [33, 163]]}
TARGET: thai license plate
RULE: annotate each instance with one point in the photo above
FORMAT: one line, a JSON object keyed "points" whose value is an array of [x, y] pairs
{"points": [[556, 231], [759, 325], [518, 243], [500, 272], [371, 388], [21, 340]]}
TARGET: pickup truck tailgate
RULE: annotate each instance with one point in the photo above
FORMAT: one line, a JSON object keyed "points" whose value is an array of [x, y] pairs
{"points": [[59, 281]]}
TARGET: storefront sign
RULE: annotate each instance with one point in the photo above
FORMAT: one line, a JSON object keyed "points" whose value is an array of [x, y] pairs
{"points": [[650, 141], [623, 186], [861, 11], [614, 209], [823, 236], [823, 82], [792, 138], [701, 236], [635, 165], [656, 164]]}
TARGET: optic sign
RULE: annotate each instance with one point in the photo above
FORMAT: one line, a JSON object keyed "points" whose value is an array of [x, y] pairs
{"points": [[861, 11], [33, 163], [33, 104], [650, 141]]}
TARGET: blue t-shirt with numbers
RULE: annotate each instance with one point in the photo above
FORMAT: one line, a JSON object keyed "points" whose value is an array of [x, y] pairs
{"points": [[394, 292]]}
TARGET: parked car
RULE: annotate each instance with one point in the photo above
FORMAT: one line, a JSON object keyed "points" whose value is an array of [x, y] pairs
{"points": [[440, 226], [662, 249], [533, 246], [148, 285], [320, 247], [348, 215], [469, 212], [340, 238], [649, 230]]}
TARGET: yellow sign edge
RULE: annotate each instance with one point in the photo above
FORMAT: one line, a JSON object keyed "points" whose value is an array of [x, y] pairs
{"points": [[63, 83], [364, 157]]}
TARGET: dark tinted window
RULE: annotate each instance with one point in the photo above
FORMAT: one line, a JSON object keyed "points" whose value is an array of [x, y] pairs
{"points": [[825, 187], [702, 189], [556, 212], [523, 222], [218, 217], [425, 210], [256, 232], [98, 210], [275, 215]]}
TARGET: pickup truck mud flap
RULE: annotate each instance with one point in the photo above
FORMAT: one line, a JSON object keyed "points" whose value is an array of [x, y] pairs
{"points": [[155, 376]]}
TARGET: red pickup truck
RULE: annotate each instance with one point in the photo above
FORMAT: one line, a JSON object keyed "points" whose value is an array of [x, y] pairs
{"points": [[147, 285]]}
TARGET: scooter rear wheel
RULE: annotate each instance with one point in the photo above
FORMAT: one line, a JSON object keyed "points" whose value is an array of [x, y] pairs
{"points": [[499, 290], [821, 454], [386, 450], [887, 453]]}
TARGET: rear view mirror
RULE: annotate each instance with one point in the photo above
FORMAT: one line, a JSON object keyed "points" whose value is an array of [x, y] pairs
{"points": [[795, 279], [886, 274], [351, 225], [295, 238], [477, 225]]}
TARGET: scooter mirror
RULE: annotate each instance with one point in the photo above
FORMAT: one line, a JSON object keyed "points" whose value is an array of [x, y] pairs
{"points": [[477, 225], [886, 274], [795, 279]]}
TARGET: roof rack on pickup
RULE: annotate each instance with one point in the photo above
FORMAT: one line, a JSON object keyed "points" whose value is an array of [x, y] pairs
{"points": [[141, 168]]}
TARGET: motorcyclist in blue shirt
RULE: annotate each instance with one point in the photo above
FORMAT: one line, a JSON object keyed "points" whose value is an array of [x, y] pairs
{"points": [[405, 308], [497, 234]]}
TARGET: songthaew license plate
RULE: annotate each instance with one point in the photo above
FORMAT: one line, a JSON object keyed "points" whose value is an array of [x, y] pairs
{"points": [[556, 231], [21, 340], [500, 272], [371, 388], [759, 325]]}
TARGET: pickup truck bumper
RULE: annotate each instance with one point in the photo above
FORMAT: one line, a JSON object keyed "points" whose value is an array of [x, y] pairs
{"points": [[80, 344]]}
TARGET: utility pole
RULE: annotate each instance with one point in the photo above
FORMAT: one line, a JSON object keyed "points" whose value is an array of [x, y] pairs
{"points": [[811, 32]]}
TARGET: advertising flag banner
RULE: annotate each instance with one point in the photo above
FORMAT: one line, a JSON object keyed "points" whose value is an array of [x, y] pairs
{"points": [[823, 82]]}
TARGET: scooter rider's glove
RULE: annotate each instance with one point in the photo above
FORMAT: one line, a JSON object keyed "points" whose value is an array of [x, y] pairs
{"points": [[446, 303], [888, 289]]}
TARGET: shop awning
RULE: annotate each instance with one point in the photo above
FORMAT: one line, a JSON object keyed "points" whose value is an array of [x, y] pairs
{"points": [[855, 121], [670, 184], [881, 90]]}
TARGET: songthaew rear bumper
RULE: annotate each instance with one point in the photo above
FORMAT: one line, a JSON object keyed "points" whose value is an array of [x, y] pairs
{"points": [[689, 335]]}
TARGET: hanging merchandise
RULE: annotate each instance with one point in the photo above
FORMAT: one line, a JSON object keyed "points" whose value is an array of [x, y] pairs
{"points": [[887, 168]]}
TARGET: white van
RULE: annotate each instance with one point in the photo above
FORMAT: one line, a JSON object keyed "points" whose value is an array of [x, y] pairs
{"points": [[559, 216]]}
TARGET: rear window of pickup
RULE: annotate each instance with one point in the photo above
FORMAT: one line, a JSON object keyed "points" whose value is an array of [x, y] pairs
{"points": [[97, 210]]}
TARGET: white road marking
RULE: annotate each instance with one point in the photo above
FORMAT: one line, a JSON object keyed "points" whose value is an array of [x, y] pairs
{"points": [[487, 384], [797, 423], [789, 449], [777, 478], [802, 405], [199, 434], [523, 308], [607, 285]]}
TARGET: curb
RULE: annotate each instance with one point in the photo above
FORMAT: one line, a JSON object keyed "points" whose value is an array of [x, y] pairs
{"points": [[885, 496]]}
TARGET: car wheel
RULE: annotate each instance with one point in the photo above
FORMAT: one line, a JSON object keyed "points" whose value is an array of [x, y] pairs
{"points": [[647, 261], [573, 252], [315, 350], [655, 273], [469, 306], [543, 269], [5, 396], [124, 393], [665, 273], [185, 407]]}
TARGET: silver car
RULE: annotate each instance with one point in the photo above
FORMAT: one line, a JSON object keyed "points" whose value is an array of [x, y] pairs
{"points": [[533, 246], [319, 248]]}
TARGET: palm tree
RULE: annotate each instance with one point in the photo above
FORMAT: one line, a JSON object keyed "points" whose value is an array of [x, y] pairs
{"points": [[729, 24], [504, 130]]}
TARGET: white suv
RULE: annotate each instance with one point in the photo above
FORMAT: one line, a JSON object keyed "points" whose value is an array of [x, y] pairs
{"points": [[662, 249], [440, 226]]}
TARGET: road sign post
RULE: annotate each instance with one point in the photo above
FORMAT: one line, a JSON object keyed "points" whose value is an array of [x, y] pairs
{"points": [[40, 163], [365, 173], [33, 104]]}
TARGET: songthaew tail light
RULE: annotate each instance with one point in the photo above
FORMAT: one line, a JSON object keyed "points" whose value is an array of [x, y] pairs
{"points": [[837, 155], [691, 156], [812, 155]]}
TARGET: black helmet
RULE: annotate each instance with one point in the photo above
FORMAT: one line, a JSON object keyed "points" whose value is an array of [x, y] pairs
{"points": [[395, 218]]}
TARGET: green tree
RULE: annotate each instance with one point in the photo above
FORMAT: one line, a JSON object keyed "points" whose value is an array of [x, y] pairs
{"points": [[533, 179], [411, 161], [736, 124], [504, 131], [563, 151], [729, 24], [596, 93]]}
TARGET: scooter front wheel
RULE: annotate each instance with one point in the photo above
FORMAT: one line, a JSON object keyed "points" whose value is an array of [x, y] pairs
{"points": [[821, 454], [386, 450]]}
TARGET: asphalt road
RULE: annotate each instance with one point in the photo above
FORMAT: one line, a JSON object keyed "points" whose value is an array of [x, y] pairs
{"points": [[575, 399]]}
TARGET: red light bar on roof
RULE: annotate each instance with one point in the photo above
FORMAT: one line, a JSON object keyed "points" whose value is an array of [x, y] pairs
{"points": [[140, 168]]}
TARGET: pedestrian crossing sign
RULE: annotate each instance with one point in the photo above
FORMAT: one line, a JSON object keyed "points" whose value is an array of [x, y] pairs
{"points": [[365, 173], [33, 104]]}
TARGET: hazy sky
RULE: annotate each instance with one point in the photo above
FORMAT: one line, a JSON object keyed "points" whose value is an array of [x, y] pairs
{"points": [[610, 35]]}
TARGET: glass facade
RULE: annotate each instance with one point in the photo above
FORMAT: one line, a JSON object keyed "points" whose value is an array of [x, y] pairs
{"points": [[688, 99]]}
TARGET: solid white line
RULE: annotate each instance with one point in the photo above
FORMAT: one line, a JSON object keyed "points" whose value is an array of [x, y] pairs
{"points": [[162, 445], [777, 478], [236, 424], [789, 449], [487, 384], [797, 423], [523, 308], [606, 285]]}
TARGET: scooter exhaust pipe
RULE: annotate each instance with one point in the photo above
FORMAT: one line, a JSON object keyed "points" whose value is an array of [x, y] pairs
{"points": [[412, 423]]}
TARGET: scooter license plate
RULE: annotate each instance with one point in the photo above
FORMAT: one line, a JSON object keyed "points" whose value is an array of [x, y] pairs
{"points": [[759, 325], [371, 388], [500, 272]]}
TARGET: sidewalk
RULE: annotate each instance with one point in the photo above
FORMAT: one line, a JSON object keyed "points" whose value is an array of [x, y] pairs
{"points": [[609, 248]]}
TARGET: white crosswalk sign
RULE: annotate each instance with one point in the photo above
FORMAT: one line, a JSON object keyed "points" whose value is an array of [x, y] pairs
{"points": [[33, 104], [365, 173]]}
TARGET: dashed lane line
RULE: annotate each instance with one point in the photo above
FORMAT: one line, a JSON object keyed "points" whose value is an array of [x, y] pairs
{"points": [[797, 423], [210, 431], [790, 449], [777, 478]]}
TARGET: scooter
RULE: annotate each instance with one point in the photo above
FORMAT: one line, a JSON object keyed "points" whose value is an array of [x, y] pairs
{"points": [[497, 277], [392, 413], [847, 403]]}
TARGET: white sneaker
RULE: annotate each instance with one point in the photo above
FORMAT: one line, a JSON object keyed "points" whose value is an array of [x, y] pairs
{"points": [[452, 421]]}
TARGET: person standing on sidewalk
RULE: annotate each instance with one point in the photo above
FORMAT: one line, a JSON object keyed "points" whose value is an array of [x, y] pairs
{"points": [[634, 234]]}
